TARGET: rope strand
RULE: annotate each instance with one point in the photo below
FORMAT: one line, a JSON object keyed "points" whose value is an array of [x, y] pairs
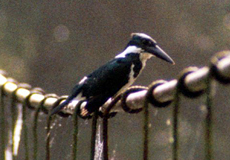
{"points": [[93, 135], [146, 131], [175, 125], [35, 135], [13, 119], [2, 124], [25, 131], [208, 120], [75, 133]]}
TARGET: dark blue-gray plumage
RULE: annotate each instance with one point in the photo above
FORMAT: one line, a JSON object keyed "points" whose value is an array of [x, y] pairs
{"points": [[114, 77]]}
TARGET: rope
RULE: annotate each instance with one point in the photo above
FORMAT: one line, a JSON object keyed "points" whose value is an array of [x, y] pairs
{"points": [[208, 121], [181, 89], [25, 128], [163, 93], [209, 100], [93, 135], [48, 126], [35, 126], [130, 90], [2, 125], [107, 115], [49, 120], [13, 110], [105, 127], [175, 125], [75, 131], [2, 122], [146, 127]]}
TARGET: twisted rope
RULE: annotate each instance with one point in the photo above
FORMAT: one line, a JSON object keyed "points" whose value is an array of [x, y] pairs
{"points": [[163, 93], [192, 83]]}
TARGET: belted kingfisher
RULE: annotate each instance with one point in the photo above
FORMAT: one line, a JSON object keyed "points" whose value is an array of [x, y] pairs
{"points": [[115, 76]]}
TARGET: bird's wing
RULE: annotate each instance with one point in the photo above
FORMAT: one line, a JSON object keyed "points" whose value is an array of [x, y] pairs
{"points": [[108, 79], [104, 82]]}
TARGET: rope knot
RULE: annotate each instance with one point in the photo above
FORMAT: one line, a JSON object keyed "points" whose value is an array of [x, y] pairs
{"points": [[214, 71], [124, 96], [182, 85], [150, 96]]}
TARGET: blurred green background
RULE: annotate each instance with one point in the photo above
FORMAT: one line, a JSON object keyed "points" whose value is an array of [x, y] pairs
{"points": [[53, 44]]}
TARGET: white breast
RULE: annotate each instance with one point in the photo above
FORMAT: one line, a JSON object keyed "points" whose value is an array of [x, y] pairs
{"points": [[143, 57], [130, 82]]}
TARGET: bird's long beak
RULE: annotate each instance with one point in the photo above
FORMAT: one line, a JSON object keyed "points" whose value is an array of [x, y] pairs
{"points": [[158, 52]]}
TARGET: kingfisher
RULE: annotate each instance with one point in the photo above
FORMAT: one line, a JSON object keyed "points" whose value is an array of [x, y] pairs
{"points": [[114, 77]]}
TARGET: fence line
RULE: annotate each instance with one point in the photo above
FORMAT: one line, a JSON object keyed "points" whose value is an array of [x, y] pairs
{"points": [[192, 82]]}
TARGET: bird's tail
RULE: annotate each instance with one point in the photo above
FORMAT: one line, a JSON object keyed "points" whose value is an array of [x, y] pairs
{"points": [[62, 105], [76, 90]]}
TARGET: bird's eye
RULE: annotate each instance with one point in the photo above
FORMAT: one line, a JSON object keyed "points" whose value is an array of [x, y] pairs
{"points": [[146, 42]]}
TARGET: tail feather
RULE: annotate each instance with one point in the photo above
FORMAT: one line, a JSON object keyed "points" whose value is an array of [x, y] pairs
{"points": [[62, 105], [75, 92]]}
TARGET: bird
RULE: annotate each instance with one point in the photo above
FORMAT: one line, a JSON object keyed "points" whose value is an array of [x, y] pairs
{"points": [[114, 77]]}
